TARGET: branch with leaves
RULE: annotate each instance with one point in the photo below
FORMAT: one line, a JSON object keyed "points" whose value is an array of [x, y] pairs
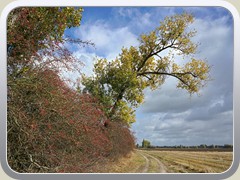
{"points": [[120, 83]]}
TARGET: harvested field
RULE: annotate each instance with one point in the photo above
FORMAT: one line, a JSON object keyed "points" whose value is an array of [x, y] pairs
{"points": [[149, 161], [193, 162]]}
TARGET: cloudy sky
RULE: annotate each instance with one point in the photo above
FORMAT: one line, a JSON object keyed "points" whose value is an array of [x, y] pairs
{"points": [[169, 116]]}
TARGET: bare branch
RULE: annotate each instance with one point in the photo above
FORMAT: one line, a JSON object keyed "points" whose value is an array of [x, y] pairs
{"points": [[153, 54]]}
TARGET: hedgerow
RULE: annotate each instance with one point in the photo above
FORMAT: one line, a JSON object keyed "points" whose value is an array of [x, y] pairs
{"points": [[51, 126]]}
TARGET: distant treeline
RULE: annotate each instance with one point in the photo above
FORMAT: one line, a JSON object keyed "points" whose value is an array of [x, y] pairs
{"points": [[225, 147]]}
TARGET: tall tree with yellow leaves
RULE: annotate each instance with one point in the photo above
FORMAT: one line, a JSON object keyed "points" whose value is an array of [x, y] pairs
{"points": [[119, 84]]}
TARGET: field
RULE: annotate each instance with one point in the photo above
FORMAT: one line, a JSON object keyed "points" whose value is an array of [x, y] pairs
{"points": [[154, 161], [194, 162]]}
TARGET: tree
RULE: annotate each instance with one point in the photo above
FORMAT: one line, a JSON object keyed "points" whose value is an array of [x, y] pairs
{"points": [[119, 84], [203, 146], [32, 29], [228, 146], [35, 39], [146, 143]]}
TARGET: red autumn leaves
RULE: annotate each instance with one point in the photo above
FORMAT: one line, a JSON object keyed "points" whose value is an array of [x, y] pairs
{"points": [[51, 126]]}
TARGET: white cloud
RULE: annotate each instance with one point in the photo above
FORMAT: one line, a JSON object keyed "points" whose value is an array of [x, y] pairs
{"points": [[127, 12], [201, 119], [88, 59], [169, 116], [108, 41], [175, 130]]}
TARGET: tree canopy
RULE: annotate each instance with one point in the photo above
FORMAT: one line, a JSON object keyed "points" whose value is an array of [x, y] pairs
{"points": [[39, 27], [119, 83], [36, 39], [146, 143]]}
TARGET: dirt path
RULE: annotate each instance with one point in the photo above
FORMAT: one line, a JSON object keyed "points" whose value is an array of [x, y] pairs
{"points": [[162, 168], [145, 169], [152, 165]]}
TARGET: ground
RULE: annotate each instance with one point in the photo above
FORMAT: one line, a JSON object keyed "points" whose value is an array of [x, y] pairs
{"points": [[145, 161]]}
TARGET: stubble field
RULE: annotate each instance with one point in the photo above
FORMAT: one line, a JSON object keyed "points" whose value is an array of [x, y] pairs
{"points": [[194, 162], [145, 161]]}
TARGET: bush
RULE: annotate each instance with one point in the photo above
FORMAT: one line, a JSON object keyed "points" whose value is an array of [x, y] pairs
{"points": [[52, 128]]}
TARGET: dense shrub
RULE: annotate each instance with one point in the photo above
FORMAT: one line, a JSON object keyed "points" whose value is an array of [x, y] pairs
{"points": [[52, 128], [122, 139]]}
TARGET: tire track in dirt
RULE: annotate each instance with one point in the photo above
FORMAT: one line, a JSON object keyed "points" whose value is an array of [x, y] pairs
{"points": [[161, 167], [145, 169]]}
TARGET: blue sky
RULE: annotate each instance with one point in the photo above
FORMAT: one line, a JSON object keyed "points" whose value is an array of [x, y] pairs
{"points": [[169, 116]]}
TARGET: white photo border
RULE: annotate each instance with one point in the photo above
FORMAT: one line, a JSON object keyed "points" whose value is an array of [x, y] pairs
{"points": [[125, 3]]}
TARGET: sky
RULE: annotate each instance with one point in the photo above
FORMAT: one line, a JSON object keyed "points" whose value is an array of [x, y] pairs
{"points": [[169, 116]]}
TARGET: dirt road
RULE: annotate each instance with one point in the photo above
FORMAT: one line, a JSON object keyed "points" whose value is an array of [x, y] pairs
{"points": [[152, 164], [154, 161]]}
